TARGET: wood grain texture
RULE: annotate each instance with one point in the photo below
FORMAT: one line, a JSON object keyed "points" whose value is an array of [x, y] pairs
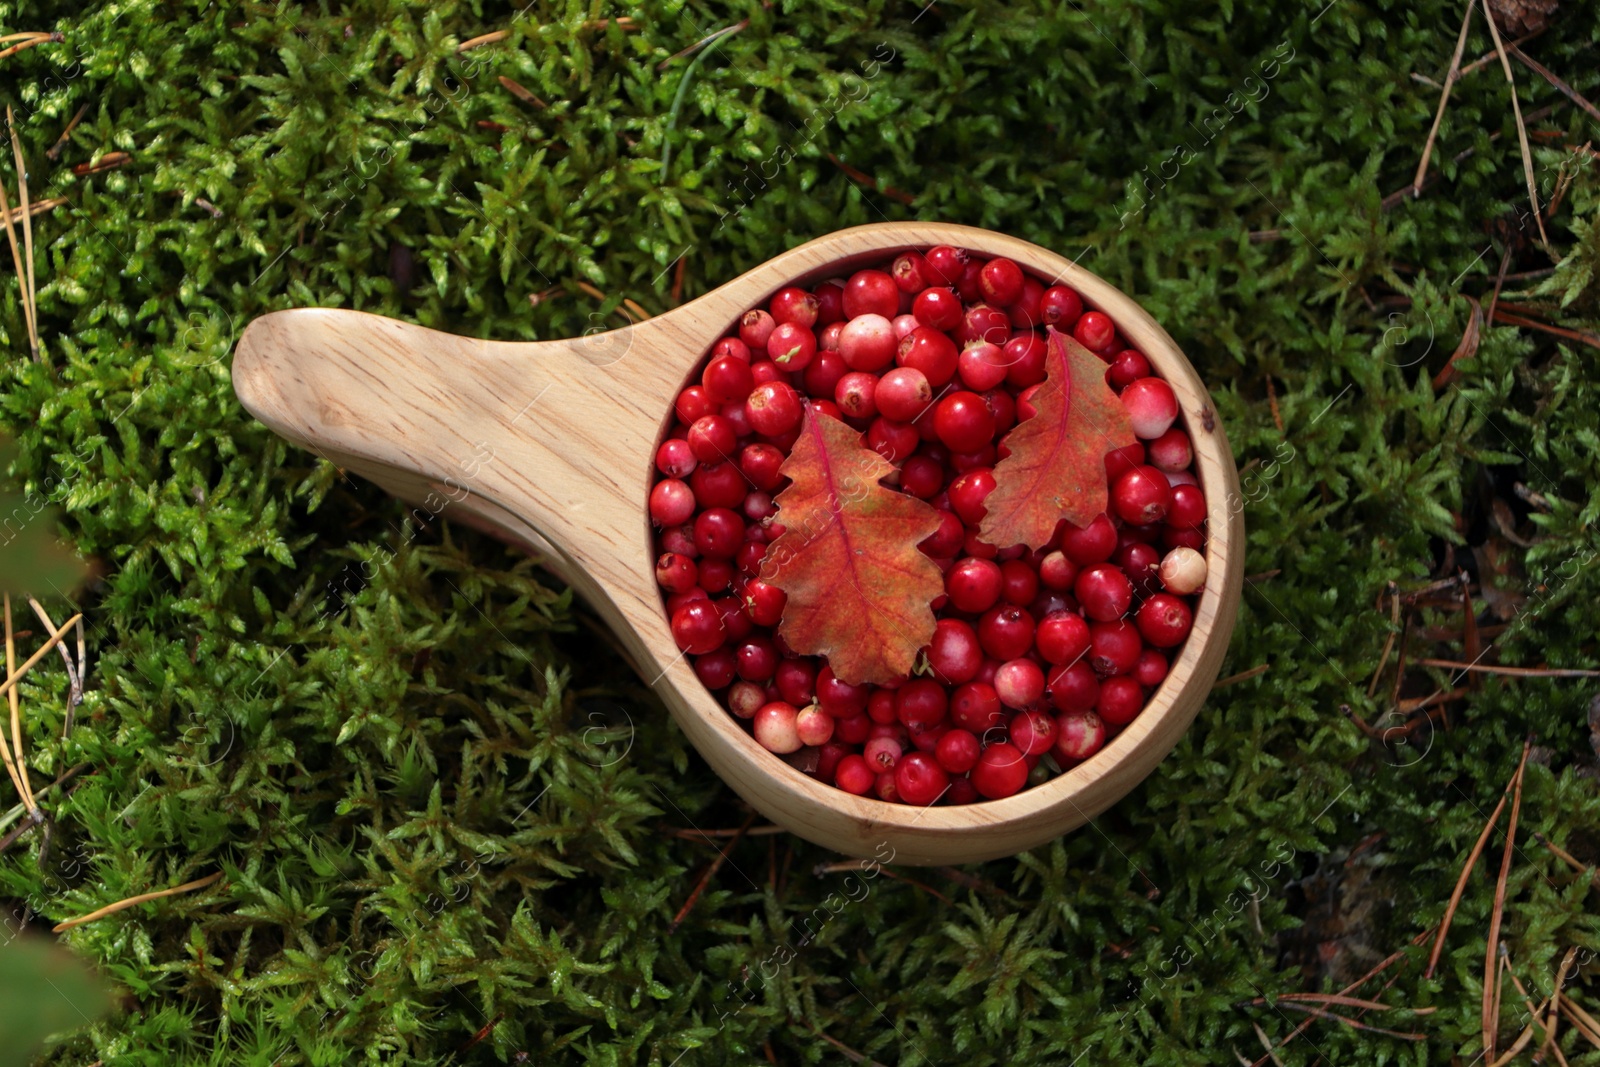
{"points": [[550, 445]]}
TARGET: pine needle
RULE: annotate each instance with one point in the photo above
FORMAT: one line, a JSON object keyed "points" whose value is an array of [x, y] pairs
{"points": [[124, 905], [1522, 129], [1444, 99], [31, 294], [16, 711], [16, 676], [1555, 1006], [1461, 884], [1491, 983], [75, 673]]}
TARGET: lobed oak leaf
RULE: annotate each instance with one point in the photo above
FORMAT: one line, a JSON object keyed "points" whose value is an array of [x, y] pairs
{"points": [[1056, 468], [859, 590]]}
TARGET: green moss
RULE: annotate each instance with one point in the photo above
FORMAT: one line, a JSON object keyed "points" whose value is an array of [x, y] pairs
{"points": [[439, 800]]}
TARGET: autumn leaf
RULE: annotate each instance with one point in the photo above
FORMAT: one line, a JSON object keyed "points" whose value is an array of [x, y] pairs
{"points": [[1057, 469], [860, 591]]}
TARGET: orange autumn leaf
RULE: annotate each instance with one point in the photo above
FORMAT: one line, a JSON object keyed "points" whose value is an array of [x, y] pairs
{"points": [[1057, 466], [860, 591]]}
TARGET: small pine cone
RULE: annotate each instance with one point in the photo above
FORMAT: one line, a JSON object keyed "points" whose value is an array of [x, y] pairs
{"points": [[1518, 18]]}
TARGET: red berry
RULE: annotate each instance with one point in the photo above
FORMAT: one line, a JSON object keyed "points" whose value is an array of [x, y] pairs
{"points": [[716, 669], [937, 308], [1006, 632], [975, 707], [930, 351], [795, 305], [1164, 620], [792, 346], [830, 303], [948, 539], [1093, 543], [1096, 332], [679, 539], [1060, 307], [760, 463], [919, 779], [775, 727], [871, 292], [1176, 538], [973, 585], [727, 378], [754, 329], [886, 789], [1120, 700], [853, 730], [882, 753], [1127, 367], [712, 438], [758, 659], [764, 602], [903, 394], [697, 628], [984, 323], [676, 573], [963, 421], [1141, 496], [1000, 281], [693, 403], [921, 477], [1151, 670], [854, 776], [1024, 355], [1114, 647], [731, 346], [855, 394], [1187, 511], [954, 653], [823, 373], [675, 458], [1139, 562], [795, 680], [1183, 571], [1074, 687], [774, 408], [968, 492], [1171, 451], [867, 342], [814, 727], [893, 440], [944, 264], [1057, 572], [1103, 591], [671, 502], [920, 703], [746, 698], [982, 365], [839, 698], [1152, 407], [1027, 311], [1079, 735], [957, 751], [1019, 582], [1000, 771], [1062, 637], [718, 532], [910, 273], [1033, 732], [1019, 683]]}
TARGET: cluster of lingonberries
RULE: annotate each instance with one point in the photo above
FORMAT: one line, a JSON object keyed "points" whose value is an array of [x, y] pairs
{"points": [[1036, 653]]}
